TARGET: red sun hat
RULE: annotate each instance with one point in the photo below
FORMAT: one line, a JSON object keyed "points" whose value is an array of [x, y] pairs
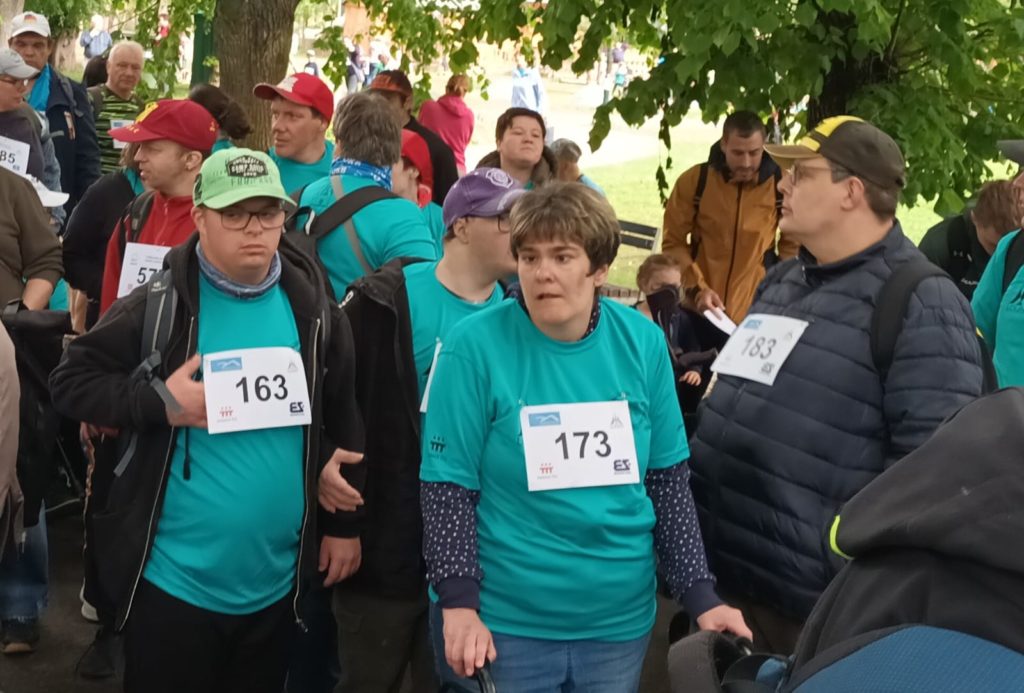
{"points": [[177, 120], [301, 88]]}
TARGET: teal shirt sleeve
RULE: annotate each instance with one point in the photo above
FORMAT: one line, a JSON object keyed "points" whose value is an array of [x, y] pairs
{"points": [[668, 434], [456, 424], [989, 292]]}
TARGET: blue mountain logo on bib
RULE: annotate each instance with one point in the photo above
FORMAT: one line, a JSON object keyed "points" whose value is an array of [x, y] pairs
{"points": [[752, 324], [231, 364], [547, 418]]}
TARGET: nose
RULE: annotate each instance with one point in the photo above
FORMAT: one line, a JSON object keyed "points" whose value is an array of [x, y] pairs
{"points": [[786, 184]]}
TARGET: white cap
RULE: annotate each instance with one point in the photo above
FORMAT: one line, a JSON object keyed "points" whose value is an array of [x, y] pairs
{"points": [[48, 197], [30, 23], [12, 65]]}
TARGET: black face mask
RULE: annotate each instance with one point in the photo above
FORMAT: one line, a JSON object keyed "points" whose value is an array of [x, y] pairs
{"points": [[663, 304]]}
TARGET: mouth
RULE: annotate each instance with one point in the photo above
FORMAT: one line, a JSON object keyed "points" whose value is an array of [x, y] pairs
{"points": [[547, 296]]}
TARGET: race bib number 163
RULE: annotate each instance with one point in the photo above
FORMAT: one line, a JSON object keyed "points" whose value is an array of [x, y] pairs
{"points": [[249, 389]]}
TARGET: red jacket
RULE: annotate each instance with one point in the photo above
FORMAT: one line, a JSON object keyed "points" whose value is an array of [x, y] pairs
{"points": [[452, 120], [169, 223]]}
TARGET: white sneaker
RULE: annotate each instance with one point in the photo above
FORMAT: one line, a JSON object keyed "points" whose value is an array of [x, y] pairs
{"points": [[88, 610]]}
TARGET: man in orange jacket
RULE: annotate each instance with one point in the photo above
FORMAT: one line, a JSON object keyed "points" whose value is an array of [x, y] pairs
{"points": [[722, 217]]}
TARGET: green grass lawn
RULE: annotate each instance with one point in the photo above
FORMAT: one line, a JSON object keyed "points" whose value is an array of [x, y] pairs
{"points": [[632, 188]]}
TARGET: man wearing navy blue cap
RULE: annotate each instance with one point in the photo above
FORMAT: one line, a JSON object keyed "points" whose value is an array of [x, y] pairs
{"points": [[399, 315]]}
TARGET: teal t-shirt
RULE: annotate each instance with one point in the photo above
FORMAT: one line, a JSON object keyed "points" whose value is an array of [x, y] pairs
{"points": [[295, 175], [435, 222], [1000, 317], [433, 311], [567, 564], [223, 143], [228, 537], [387, 230]]}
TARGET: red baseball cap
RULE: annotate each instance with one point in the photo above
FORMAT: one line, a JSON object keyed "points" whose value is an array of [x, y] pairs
{"points": [[387, 82], [414, 148], [301, 88], [178, 120]]}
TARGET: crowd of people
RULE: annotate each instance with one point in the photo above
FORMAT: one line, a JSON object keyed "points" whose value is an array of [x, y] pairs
{"points": [[355, 412]]}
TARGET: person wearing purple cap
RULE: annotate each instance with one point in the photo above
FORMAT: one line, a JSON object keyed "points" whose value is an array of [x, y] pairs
{"points": [[400, 316], [554, 476]]}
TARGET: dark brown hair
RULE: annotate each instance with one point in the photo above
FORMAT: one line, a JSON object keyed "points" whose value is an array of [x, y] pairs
{"points": [[231, 117], [998, 208], [506, 118]]}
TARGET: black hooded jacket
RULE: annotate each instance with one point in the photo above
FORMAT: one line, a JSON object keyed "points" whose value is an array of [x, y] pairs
{"points": [[94, 384], [935, 540]]}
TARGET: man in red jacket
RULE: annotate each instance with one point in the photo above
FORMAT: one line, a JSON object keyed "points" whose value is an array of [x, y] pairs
{"points": [[174, 136]]}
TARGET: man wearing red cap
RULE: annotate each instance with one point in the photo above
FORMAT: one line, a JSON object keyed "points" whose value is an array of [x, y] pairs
{"points": [[301, 113], [413, 178], [174, 136], [395, 86]]}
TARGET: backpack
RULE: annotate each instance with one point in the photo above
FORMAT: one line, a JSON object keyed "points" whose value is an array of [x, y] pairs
{"points": [[134, 219], [340, 213], [771, 258], [891, 311], [910, 659]]}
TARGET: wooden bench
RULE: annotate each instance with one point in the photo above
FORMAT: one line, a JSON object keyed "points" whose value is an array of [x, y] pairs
{"points": [[638, 236]]}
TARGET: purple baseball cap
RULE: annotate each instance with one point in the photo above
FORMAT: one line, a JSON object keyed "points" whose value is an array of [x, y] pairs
{"points": [[484, 192]]}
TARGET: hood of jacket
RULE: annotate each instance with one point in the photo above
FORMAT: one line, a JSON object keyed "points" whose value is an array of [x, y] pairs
{"points": [[768, 169], [454, 105], [960, 494], [542, 172]]}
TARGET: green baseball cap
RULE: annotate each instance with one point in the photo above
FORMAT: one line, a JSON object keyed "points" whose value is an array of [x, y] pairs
{"points": [[236, 174]]}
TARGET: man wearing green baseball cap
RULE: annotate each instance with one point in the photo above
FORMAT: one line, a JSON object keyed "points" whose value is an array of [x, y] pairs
{"points": [[210, 528]]}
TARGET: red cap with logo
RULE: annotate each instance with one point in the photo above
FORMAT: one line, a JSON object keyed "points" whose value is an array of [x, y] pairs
{"points": [[301, 88], [414, 148], [178, 120]]}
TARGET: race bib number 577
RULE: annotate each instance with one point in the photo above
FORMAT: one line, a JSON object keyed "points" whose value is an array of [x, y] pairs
{"points": [[250, 389], [759, 347]]}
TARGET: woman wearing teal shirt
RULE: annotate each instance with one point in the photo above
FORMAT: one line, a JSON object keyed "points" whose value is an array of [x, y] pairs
{"points": [[1000, 314], [553, 473]]}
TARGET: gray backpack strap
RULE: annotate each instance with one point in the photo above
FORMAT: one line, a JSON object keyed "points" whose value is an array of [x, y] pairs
{"points": [[350, 228]]}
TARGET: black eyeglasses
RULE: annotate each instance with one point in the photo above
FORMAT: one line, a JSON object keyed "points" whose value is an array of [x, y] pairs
{"points": [[238, 219]]}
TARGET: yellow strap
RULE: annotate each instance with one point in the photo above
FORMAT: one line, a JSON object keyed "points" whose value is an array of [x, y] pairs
{"points": [[832, 540]]}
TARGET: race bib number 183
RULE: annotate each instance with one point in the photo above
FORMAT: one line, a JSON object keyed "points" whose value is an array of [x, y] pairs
{"points": [[759, 347]]}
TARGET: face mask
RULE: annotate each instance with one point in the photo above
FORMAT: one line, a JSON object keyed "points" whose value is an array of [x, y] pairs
{"points": [[663, 304]]}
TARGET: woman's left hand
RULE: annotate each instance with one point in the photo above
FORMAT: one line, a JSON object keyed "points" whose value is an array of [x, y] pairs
{"points": [[725, 619]]}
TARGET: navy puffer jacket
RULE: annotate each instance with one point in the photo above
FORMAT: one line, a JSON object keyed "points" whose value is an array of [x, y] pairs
{"points": [[772, 465]]}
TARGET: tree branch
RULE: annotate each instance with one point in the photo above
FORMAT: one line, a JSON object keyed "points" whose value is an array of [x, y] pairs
{"points": [[895, 32]]}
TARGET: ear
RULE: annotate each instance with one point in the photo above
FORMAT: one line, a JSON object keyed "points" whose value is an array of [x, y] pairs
{"points": [[199, 219], [193, 160], [461, 230], [600, 275], [855, 193]]}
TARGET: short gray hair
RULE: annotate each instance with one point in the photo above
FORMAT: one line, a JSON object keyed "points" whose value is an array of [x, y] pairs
{"points": [[126, 45], [566, 150], [365, 129]]}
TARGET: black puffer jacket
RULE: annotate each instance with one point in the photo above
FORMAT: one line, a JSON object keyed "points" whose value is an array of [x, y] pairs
{"points": [[772, 465]]}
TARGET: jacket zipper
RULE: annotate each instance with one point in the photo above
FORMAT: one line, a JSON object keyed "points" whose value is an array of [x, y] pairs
{"points": [[156, 503], [735, 240], [305, 477]]}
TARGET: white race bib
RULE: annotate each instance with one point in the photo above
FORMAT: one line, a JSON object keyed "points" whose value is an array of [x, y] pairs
{"points": [[141, 262], [118, 123], [14, 155], [249, 389], [759, 347], [579, 445]]}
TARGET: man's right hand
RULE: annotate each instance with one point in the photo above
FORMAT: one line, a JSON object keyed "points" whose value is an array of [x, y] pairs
{"points": [[190, 395], [709, 300], [467, 642]]}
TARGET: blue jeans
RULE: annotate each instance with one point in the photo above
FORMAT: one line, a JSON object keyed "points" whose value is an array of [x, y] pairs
{"points": [[24, 576], [530, 665]]}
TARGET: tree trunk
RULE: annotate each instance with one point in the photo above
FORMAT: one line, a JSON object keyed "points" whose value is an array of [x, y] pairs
{"points": [[63, 56], [9, 8], [252, 42]]}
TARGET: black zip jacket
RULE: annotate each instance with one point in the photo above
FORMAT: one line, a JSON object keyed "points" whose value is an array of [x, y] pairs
{"points": [[93, 383], [389, 525], [935, 540]]}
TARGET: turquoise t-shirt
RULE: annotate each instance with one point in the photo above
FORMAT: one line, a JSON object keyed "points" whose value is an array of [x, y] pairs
{"points": [[295, 175], [1000, 317], [387, 230], [433, 311], [223, 143], [566, 564], [228, 537], [435, 222]]}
